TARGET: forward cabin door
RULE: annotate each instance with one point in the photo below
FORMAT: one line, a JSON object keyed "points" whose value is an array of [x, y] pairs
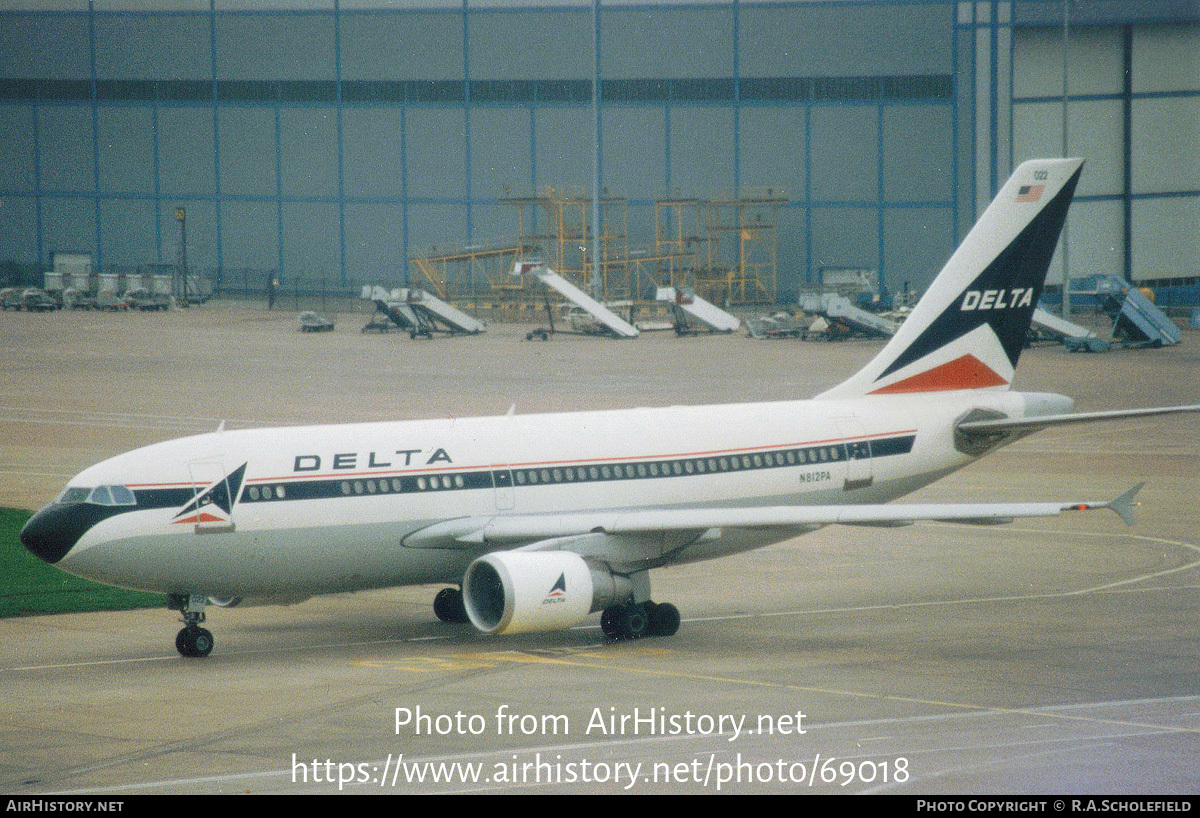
{"points": [[502, 480], [214, 494]]}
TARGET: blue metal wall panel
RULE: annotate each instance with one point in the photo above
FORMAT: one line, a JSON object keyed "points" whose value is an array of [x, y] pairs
{"points": [[702, 151], [186, 151], [127, 231], [663, 42], [501, 154], [18, 170], [375, 243], [68, 225], [248, 152], [308, 152], [275, 46], [373, 161], [153, 46], [436, 153], [66, 149], [275, 124], [53, 46], [917, 156], [126, 150], [853, 39], [845, 152], [530, 45], [844, 237], [564, 146], [917, 242], [311, 248], [634, 164], [775, 148], [18, 229], [250, 234]]}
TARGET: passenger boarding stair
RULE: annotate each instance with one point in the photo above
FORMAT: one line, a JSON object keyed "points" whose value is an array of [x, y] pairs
{"points": [[1060, 329], [607, 321], [837, 308], [419, 313], [687, 305], [1136, 320]]}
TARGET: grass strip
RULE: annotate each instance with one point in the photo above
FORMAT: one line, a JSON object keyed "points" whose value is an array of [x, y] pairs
{"points": [[30, 586]]}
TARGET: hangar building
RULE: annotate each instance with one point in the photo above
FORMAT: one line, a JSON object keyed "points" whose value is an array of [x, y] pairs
{"points": [[334, 139]]}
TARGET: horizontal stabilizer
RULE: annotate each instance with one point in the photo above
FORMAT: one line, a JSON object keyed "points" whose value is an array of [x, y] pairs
{"points": [[1124, 504], [1033, 424]]}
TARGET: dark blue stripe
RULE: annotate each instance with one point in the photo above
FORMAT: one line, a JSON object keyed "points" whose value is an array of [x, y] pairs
{"points": [[366, 485]]}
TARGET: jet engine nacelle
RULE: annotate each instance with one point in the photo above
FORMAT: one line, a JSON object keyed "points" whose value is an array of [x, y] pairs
{"points": [[519, 591]]}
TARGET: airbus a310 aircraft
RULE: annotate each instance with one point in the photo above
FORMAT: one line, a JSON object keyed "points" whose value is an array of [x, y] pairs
{"points": [[542, 519]]}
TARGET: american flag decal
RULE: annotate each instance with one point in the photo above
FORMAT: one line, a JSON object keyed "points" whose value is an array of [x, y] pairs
{"points": [[1030, 193]]}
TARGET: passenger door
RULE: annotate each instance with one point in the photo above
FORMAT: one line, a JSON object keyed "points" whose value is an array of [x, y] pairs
{"points": [[858, 453], [214, 497]]}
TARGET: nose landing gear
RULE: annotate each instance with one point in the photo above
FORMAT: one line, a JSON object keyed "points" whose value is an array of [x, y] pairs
{"points": [[193, 641]]}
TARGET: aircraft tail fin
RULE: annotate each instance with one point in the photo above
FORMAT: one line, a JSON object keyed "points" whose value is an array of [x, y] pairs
{"points": [[968, 329]]}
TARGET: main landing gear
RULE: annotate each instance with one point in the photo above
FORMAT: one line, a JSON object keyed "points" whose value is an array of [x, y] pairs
{"points": [[640, 616], [193, 641], [634, 620], [631, 620], [448, 606]]}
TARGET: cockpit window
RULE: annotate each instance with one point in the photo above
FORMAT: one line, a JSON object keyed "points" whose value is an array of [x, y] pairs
{"points": [[112, 496], [74, 495], [122, 496], [100, 496]]}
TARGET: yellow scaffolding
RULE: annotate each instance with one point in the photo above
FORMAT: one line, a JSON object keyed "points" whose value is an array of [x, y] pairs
{"points": [[567, 246], [724, 248], [457, 272], [741, 243], [677, 237]]}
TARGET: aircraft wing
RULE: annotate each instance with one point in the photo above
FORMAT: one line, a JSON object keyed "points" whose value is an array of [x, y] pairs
{"points": [[543, 530]]}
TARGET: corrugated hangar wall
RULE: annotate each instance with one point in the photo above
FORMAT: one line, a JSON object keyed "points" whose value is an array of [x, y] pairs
{"points": [[334, 140]]}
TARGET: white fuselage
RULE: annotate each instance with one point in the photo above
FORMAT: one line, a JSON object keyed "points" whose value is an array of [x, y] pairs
{"points": [[329, 508]]}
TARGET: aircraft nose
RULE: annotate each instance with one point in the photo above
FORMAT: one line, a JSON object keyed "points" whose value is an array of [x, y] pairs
{"points": [[54, 530]]}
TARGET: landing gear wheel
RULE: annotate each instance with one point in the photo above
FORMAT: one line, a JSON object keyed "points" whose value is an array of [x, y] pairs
{"points": [[448, 605], [625, 621], [633, 621], [608, 621], [664, 620], [194, 642]]}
